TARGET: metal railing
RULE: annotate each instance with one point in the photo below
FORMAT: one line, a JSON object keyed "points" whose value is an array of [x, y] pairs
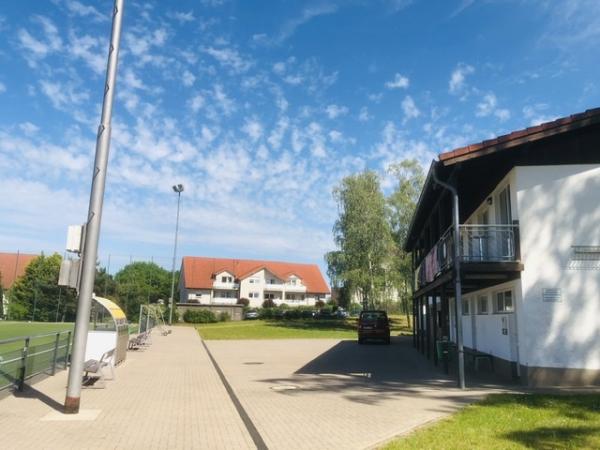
{"points": [[40, 354], [478, 243]]}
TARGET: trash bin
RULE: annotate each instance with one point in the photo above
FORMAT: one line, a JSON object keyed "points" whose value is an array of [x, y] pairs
{"points": [[442, 350]]}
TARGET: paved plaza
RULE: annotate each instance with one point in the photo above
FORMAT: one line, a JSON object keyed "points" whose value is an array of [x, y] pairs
{"points": [[279, 394]]}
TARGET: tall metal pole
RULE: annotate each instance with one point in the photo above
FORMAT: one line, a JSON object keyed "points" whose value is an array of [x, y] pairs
{"points": [[178, 189], [90, 249], [457, 280]]}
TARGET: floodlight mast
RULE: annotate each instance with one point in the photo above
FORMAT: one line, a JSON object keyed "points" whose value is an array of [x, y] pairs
{"points": [[90, 249], [177, 189]]}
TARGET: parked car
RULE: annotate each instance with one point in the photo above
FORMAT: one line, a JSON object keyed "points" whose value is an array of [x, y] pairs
{"points": [[251, 315], [373, 325], [325, 314], [341, 313]]}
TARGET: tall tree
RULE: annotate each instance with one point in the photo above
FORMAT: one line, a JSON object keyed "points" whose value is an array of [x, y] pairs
{"points": [[104, 283], [37, 296], [141, 283], [362, 235], [401, 206]]}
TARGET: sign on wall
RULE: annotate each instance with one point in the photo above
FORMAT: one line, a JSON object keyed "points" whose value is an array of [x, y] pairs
{"points": [[551, 295]]}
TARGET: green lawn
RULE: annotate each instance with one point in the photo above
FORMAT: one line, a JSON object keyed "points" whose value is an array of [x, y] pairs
{"points": [[513, 421], [290, 329]]}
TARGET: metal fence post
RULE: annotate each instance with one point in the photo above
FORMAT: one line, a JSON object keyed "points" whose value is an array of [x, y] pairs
{"points": [[67, 350], [54, 358], [23, 365]]}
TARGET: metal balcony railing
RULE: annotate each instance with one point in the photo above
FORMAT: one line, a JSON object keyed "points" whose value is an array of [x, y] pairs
{"points": [[478, 243]]}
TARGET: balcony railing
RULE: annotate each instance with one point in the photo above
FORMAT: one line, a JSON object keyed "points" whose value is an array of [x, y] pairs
{"points": [[225, 285], [478, 243]]}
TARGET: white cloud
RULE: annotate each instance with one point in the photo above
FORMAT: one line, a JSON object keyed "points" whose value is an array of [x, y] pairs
{"points": [[538, 114], [2, 87], [90, 50], [375, 98], [279, 68], [489, 106], [230, 58], [399, 82], [289, 28], [39, 48], [409, 108], [183, 17], [62, 96], [253, 128], [334, 111], [197, 102], [457, 82], [28, 128], [79, 9], [364, 114], [188, 78], [278, 132]]}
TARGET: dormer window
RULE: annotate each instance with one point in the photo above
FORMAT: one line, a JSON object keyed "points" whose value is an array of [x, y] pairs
{"points": [[226, 279]]}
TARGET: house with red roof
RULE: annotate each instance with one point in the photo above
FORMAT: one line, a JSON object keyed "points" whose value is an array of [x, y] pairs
{"points": [[526, 254], [12, 266], [221, 281]]}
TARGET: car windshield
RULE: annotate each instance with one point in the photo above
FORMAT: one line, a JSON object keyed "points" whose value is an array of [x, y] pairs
{"points": [[372, 316]]}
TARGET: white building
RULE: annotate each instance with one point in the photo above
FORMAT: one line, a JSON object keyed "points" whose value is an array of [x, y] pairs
{"points": [[218, 281], [530, 252]]}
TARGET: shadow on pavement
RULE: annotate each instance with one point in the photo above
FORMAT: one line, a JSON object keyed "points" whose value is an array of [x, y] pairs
{"points": [[30, 392], [373, 372]]}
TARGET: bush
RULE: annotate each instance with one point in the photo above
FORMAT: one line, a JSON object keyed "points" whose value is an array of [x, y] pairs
{"points": [[16, 311], [266, 313], [268, 303], [284, 306], [294, 313], [199, 316], [243, 301], [224, 316], [319, 303]]}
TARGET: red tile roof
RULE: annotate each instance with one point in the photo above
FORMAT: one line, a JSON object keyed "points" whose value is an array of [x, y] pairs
{"points": [[521, 136], [198, 271], [12, 266]]}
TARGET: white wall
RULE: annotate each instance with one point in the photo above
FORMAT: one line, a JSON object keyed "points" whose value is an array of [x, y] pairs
{"points": [[558, 207], [483, 332]]}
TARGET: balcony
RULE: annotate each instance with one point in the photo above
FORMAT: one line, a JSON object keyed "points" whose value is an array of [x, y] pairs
{"points": [[479, 244], [295, 288], [274, 286], [222, 285]]}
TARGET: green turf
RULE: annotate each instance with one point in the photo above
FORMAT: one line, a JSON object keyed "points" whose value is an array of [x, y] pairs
{"points": [[289, 329], [17, 329], [41, 349], [513, 421]]}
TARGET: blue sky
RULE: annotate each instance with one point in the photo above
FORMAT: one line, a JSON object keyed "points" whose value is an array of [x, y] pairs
{"points": [[260, 107]]}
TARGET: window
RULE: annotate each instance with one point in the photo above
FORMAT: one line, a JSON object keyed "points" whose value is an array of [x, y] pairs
{"points": [[226, 279], [482, 304], [504, 302], [465, 307], [269, 296], [253, 295]]}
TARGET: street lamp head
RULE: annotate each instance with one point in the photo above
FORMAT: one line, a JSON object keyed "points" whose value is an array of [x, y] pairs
{"points": [[178, 188]]}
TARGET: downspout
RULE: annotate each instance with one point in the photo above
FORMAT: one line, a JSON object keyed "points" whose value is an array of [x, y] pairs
{"points": [[457, 280]]}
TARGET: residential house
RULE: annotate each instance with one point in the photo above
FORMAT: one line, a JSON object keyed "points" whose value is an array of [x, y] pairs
{"points": [[529, 252], [12, 266], [211, 281]]}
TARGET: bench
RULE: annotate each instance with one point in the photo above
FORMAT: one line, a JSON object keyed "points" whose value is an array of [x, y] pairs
{"points": [[140, 341], [478, 356], [96, 366]]}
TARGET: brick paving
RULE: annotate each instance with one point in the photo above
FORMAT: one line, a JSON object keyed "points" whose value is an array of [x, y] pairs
{"points": [[298, 394], [331, 394], [166, 397]]}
